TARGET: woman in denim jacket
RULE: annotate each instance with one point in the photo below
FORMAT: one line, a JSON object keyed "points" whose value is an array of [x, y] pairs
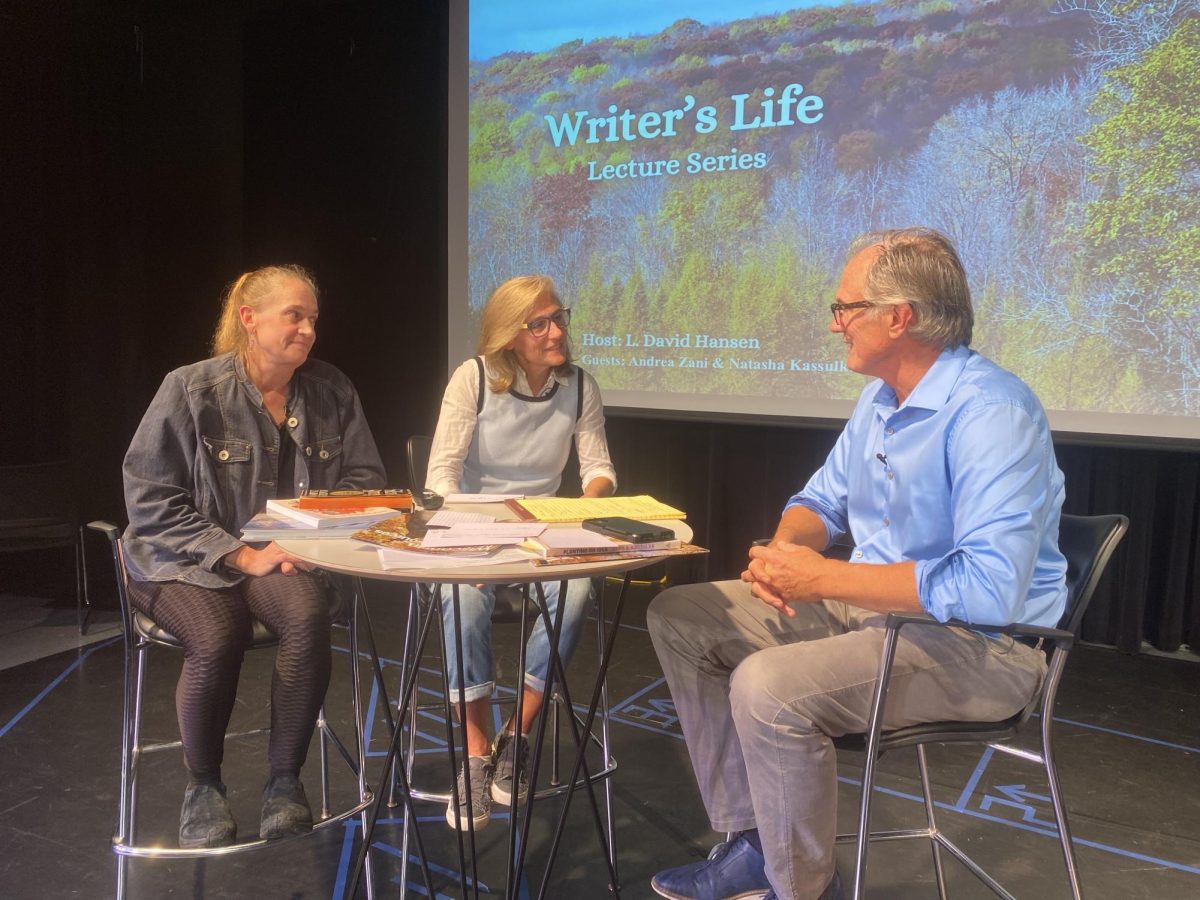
{"points": [[257, 420]]}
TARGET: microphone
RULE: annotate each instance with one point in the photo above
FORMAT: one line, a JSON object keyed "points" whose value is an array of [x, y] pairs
{"points": [[882, 459]]}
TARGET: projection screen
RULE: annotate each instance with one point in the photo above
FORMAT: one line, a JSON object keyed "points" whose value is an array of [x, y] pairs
{"points": [[690, 174]]}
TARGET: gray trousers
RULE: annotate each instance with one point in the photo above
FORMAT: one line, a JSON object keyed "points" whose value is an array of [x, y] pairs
{"points": [[760, 695]]}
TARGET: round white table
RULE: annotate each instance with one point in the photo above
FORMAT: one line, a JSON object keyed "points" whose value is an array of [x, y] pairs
{"points": [[361, 560]]}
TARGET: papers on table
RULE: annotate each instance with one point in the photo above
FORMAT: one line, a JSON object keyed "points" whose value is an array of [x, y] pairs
{"points": [[576, 509], [481, 498], [470, 534], [406, 559], [444, 518]]}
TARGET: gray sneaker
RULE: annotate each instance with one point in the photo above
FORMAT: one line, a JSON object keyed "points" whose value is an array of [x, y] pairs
{"points": [[480, 812], [506, 754], [285, 809], [205, 819]]}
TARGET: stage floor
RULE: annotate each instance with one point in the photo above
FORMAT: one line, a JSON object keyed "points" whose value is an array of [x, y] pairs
{"points": [[1128, 749]]}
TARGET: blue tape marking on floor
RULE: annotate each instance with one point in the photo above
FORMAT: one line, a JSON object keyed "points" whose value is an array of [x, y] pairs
{"points": [[416, 885], [1014, 797], [608, 624], [1130, 735], [652, 728], [969, 789], [392, 850], [369, 718], [353, 826], [8, 726], [1033, 829], [343, 869], [616, 707]]}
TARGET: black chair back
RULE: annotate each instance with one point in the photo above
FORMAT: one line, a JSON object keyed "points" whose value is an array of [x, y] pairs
{"points": [[418, 448], [1088, 543]]}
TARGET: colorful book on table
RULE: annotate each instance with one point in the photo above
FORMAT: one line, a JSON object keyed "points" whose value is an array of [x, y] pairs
{"points": [[328, 518], [576, 509], [271, 527], [581, 542], [579, 559], [398, 500], [406, 532]]}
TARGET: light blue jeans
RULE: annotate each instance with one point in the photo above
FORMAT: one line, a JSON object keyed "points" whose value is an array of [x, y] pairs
{"points": [[475, 613]]}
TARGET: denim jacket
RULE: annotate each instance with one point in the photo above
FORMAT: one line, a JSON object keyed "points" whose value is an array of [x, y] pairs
{"points": [[204, 460]]}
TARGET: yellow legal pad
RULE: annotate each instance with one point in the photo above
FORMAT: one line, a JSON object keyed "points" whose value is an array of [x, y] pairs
{"points": [[575, 509]]}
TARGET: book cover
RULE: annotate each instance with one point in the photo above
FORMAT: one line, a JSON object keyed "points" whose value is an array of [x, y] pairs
{"points": [[271, 527], [328, 518], [568, 542], [405, 532], [681, 550], [399, 500], [581, 541]]}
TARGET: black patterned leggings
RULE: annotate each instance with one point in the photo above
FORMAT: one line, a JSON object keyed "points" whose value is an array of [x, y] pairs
{"points": [[214, 626]]}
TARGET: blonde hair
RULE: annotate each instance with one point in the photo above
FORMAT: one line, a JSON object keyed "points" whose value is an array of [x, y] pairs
{"points": [[252, 289], [503, 315]]}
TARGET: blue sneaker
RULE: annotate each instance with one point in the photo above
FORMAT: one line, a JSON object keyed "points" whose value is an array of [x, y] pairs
{"points": [[734, 871]]}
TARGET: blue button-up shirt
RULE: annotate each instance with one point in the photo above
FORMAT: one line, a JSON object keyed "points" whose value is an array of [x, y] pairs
{"points": [[960, 478]]}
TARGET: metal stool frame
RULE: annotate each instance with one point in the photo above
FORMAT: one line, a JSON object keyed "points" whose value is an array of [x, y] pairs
{"points": [[140, 634], [424, 608]]}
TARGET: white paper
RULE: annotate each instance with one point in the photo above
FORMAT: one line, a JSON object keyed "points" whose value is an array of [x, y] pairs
{"points": [[444, 518], [405, 559], [576, 538], [473, 533], [482, 498]]}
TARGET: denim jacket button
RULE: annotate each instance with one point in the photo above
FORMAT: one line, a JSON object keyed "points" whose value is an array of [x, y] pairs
{"points": [[293, 422], [308, 451], [223, 455], [324, 454]]}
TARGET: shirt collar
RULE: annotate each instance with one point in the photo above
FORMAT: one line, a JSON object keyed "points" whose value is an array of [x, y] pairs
{"points": [[933, 390], [521, 383]]}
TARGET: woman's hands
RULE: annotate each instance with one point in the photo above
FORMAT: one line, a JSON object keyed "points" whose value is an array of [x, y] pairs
{"points": [[265, 561]]}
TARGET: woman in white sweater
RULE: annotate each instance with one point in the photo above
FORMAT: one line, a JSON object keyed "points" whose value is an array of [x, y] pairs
{"points": [[506, 425]]}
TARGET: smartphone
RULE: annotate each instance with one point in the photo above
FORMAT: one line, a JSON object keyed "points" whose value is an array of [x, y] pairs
{"points": [[631, 530]]}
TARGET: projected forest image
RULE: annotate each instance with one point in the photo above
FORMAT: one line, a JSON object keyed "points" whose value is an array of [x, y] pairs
{"points": [[693, 191]]}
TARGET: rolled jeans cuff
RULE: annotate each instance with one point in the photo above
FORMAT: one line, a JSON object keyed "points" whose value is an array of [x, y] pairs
{"points": [[534, 683], [474, 692]]}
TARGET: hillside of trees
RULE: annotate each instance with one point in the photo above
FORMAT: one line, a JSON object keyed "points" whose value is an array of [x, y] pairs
{"points": [[1057, 141]]}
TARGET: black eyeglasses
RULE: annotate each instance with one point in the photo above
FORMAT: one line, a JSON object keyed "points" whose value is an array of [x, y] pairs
{"points": [[838, 308], [540, 326]]}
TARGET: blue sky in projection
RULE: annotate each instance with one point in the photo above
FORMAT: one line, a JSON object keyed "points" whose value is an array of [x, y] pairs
{"points": [[535, 25]]}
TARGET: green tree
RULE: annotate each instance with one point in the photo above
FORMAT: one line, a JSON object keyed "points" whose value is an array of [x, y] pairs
{"points": [[1146, 226]]}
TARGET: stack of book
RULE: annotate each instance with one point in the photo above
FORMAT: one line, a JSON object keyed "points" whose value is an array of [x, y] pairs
{"points": [[286, 519], [581, 542]]}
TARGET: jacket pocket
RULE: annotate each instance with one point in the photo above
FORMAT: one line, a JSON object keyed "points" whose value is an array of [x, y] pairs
{"points": [[325, 450], [227, 451]]}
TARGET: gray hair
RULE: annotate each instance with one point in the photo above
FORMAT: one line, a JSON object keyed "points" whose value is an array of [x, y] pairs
{"points": [[919, 266]]}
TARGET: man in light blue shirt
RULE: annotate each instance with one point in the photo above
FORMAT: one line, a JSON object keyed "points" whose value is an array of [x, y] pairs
{"points": [[944, 480]]}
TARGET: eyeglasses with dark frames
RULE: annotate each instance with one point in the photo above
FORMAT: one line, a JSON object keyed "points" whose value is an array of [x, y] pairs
{"points": [[839, 308], [540, 326]]}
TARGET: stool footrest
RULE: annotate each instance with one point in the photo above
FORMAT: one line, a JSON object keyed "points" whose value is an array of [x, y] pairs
{"points": [[120, 848]]}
